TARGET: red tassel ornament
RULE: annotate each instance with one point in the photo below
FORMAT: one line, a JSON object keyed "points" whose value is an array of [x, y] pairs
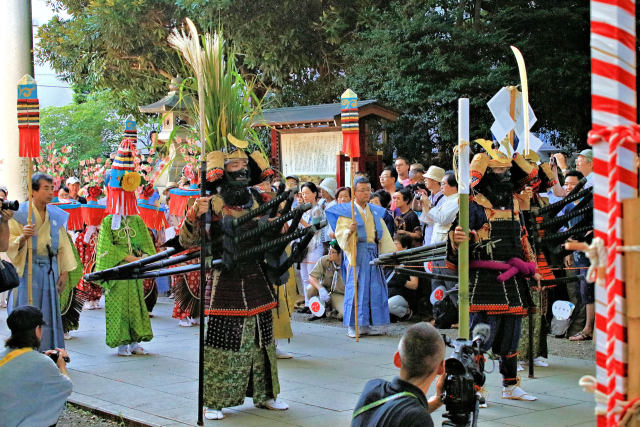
{"points": [[28, 118]]}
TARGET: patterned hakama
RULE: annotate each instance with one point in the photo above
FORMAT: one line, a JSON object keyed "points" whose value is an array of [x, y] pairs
{"points": [[127, 318]]}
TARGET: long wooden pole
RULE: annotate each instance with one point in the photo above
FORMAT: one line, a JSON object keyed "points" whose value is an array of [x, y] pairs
{"points": [[354, 249], [463, 217], [631, 237], [203, 248], [30, 240]]}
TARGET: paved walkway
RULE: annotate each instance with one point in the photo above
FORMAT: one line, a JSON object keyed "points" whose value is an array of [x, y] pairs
{"points": [[321, 384]]}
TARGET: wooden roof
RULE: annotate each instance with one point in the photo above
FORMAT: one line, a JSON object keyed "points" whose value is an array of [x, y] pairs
{"points": [[321, 115], [171, 102]]}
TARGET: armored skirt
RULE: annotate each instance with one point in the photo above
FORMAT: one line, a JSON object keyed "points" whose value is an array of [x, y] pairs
{"points": [[240, 358]]}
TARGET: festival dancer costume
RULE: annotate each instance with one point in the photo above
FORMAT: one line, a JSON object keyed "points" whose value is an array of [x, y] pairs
{"points": [[52, 255], [240, 358], [92, 214], [124, 234], [185, 287], [501, 260]]}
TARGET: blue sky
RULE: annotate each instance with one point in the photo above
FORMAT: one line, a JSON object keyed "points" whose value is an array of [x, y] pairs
{"points": [[51, 90]]}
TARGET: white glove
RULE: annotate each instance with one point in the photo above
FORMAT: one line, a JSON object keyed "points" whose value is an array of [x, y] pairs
{"points": [[324, 295]]}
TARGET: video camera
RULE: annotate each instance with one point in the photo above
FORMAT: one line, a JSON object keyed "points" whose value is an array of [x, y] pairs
{"points": [[464, 372]]}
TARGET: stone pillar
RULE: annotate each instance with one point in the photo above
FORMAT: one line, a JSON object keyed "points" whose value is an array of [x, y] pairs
{"points": [[16, 38]]}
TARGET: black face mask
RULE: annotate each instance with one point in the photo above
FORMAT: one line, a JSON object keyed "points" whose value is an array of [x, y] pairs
{"points": [[234, 189], [239, 178], [497, 188]]}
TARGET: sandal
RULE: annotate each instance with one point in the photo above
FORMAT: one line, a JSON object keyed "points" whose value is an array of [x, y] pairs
{"points": [[580, 336], [514, 392]]}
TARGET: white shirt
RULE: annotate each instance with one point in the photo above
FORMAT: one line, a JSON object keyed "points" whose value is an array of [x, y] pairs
{"points": [[441, 217]]}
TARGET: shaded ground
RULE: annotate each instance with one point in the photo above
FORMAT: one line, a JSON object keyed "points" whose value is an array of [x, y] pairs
{"points": [[559, 347], [76, 417]]}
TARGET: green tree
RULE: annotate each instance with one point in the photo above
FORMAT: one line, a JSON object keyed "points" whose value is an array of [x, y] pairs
{"points": [[420, 57], [114, 44], [293, 46], [417, 56], [91, 129]]}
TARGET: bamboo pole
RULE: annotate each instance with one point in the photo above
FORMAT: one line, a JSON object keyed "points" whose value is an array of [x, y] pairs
{"points": [[30, 240], [354, 251], [631, 271], [463, 217]]}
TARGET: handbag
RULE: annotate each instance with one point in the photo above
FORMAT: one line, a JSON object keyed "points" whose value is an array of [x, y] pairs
{"points": [[8, 276]]}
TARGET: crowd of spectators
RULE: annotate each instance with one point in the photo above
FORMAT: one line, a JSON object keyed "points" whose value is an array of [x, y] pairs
{"points": [[420, 206]]}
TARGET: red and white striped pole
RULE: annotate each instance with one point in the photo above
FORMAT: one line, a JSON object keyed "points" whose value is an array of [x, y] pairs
{"points": [[613, 97]]}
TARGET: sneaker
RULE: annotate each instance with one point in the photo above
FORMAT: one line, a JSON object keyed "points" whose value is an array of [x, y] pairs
{"points": [[195, 321], [213, 414], [123, 350], [514, 392], [520, 368], [541, 362], [185, 323], [281, 354], [273, 404], [67, 336]]}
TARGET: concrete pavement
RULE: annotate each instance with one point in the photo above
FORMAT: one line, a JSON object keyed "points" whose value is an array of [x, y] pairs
{"points": [[321, 384]]}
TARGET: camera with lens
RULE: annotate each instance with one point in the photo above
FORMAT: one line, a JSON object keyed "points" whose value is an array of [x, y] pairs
{"points": [[11, 205], [464, 376], [54, 356]]}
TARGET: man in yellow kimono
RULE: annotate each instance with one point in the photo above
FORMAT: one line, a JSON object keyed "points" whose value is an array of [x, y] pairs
{"points": [[372, 238], [52, 258]]}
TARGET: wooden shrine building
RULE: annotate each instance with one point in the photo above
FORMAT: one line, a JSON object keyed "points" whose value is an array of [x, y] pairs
{"points": [[307, 141]]}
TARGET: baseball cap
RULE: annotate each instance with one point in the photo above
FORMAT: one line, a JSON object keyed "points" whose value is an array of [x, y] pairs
{"points": [[24, 318], [72, 180], [293, 177], [588, 153]]}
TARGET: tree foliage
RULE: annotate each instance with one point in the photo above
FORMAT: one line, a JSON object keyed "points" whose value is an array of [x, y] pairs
{"points": [[420, 57], [91, 129], [416, 56]]}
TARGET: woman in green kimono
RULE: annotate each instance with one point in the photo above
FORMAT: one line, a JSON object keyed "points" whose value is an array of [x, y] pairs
{"points": [[124, 238]]}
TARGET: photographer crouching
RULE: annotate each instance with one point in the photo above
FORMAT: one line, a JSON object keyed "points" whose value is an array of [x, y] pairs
{"points": [[402, 402], [34, 387]]}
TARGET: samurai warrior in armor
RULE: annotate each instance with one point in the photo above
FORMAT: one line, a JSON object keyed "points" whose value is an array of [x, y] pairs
{"points": [[502, 264], [240, 358]]}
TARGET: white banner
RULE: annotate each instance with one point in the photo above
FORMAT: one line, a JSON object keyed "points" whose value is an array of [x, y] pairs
{"points": [[312, 153]]}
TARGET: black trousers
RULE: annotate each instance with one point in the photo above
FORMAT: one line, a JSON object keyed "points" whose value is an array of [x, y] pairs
{"points": [[503, 341]]}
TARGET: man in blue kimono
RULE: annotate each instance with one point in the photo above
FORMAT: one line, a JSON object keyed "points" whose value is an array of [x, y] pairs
{"points": [[52, 258], [372, 238]]}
